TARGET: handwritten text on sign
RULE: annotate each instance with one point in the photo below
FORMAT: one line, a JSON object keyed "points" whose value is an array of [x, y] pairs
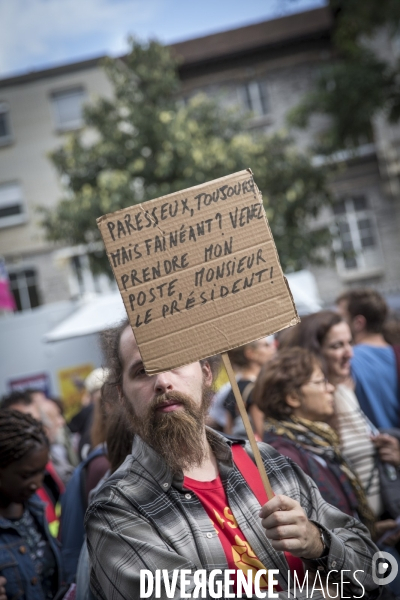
{"points": [[198, 271]]}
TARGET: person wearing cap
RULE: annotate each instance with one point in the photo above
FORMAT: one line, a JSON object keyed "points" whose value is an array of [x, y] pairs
{"points": [[81, 423]]}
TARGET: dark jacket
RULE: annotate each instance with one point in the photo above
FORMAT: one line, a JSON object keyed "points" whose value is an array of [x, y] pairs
{"points": [[16, 564], [333, 485], [73, 508]]}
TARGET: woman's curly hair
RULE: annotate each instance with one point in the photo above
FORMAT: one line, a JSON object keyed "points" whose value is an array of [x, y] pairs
{"points": [[280, 377]]}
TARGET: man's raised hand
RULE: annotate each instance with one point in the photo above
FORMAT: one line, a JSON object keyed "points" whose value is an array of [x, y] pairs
{"points": [[287, 526]]}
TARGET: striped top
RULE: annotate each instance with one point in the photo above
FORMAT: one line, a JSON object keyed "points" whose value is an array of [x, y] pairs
{"points": [[356, 445]]}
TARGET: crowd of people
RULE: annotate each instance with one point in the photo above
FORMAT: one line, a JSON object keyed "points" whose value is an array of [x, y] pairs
{"points": [[156, 472]]}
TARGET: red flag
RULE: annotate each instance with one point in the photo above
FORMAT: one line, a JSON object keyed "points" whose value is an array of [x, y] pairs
{"points": [[7, 301]]}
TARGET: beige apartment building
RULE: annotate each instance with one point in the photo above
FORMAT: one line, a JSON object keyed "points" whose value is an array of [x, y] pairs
{"points": [[36, 111], [265, 68]]}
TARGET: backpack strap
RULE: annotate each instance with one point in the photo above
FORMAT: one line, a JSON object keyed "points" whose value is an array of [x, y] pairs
{"points": [[249, 472], [247, 391], [98, 451], [252, 477]]}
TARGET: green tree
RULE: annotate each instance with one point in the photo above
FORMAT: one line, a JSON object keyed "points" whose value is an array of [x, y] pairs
{"points": [[146, 142], [360, 82]]}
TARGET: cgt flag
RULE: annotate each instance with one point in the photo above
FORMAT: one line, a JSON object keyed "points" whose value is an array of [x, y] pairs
{"points": [[7, 302]]}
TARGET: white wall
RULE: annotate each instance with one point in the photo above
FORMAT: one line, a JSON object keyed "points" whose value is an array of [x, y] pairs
{"points": [[23, 351]]}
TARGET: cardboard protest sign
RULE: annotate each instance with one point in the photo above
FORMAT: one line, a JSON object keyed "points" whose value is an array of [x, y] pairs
{"points": [[198, 271]]}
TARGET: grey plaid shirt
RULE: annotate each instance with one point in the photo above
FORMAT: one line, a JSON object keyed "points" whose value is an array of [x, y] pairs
{"points": [[143, 518]]}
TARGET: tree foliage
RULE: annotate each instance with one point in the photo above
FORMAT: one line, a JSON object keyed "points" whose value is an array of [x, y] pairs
{"points": [[361, 81], [146, 142]]}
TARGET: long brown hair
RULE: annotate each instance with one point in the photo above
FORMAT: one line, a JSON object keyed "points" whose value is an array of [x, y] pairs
{"points": [[311, 332], [119, 437], [101, 411]]}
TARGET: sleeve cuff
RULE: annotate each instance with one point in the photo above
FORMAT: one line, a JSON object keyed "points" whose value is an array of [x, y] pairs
{"points": [[333, 559]]}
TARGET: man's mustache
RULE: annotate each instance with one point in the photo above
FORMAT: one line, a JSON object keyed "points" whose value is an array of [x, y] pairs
{"points": [[170, 398]]}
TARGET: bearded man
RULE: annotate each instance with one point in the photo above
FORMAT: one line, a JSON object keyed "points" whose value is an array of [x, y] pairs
{"points": [[181, 502]]}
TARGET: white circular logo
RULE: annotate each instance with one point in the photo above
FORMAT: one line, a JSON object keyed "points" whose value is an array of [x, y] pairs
{"points": [[382, 574]]}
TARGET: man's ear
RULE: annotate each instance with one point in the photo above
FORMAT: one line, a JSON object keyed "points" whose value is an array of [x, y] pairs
{"points": [[293, 401], [359, 324], [207, 373]]}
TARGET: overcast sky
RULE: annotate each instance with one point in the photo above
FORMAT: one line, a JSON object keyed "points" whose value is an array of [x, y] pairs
{"points": [[35, 34]]}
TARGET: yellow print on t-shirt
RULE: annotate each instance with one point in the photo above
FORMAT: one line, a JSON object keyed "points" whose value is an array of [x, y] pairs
{"points": [[245, 560], [229, 518]]}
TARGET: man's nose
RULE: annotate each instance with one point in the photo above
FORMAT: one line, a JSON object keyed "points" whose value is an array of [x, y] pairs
{"points": [[163, 383]]}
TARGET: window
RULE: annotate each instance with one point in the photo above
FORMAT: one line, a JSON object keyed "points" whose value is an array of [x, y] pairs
{"points": [[5, 129], [23, 284], [11, 205], [82, 280], [249, 96], [67, 106], [356, 241], [254, 97]]}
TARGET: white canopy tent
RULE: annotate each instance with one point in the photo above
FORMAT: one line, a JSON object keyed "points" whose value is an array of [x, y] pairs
{"points": [[303, 286], [95, 313], [100, 312]]}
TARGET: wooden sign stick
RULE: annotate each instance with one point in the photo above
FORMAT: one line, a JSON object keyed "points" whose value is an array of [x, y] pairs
{"points": [[246, 421]]}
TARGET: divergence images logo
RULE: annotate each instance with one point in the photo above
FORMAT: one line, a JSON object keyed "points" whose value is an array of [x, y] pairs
{"points": [[384, 568]]}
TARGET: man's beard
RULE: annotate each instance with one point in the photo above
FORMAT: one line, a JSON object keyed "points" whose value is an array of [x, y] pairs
{"points": [[177, 435]]}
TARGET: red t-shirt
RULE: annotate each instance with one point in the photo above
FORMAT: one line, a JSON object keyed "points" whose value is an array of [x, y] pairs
{"points": [[53, 509], [239, 554]]}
